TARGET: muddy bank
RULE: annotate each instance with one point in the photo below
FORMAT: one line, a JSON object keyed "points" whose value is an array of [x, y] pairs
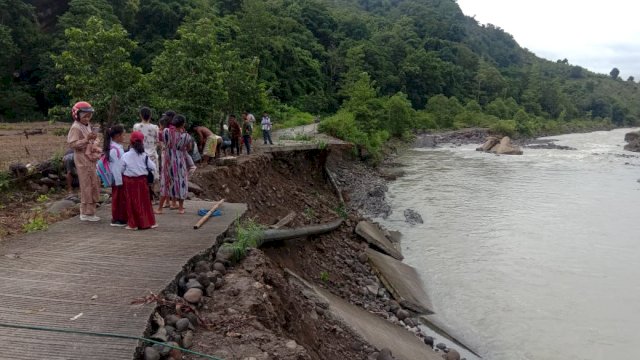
{"points": [[252, 309]]}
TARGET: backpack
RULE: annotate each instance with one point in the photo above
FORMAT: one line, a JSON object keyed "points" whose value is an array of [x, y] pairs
{"points": [[104, 171]]}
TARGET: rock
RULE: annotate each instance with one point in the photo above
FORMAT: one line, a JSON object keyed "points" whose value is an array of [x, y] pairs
{"points": [[193, 295], [162, 350], [362, 257], [171, 320], [182, 324], [151, 354], [47, 181], [187, 340], [202, 267], [219, 267], [429, 340], [412, 217], [210, 290], [219, 282], [632, 136], [291, 344], [441, 346], [402, 314], [195, 188], [505, 147], [53, 177], [372, 289], [161, 335], [452, 355], [193, 320], [385, 354], [60, 206], [633, 139], [193, 283], [393, 306], [18, 170], [489, 144], [225, 253], [203, 279]]}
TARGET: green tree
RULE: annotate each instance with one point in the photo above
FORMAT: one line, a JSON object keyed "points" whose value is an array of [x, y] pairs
{"points": [[199, 75], [95, 64], [614, 73]]}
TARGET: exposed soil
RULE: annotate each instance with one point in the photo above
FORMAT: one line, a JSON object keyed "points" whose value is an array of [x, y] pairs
{"points": [[257, 311]]}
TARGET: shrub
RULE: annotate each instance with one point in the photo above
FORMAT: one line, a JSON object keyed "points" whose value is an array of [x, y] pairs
{"points": [[504, 127]]}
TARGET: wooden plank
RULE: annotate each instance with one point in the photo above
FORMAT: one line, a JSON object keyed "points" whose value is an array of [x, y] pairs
{"points": [[47, 278]]}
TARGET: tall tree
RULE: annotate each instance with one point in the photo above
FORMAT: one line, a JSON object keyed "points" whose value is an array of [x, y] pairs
{"points": [[96, 67]]}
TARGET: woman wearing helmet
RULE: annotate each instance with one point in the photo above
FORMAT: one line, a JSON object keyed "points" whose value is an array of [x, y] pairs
{"points": [[81, 139]]}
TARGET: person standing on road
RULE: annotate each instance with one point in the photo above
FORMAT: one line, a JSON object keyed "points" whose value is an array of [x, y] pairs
{"points": [[247, 129], [266, 128], [113, 152], [150, 132], [81, 139], [136, 164], [235, 132]]}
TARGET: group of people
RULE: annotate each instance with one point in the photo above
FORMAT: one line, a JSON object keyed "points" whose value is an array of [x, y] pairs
{"points": [[142, 174]]}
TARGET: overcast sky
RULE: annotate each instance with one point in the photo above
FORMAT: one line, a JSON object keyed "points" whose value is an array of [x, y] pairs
{"points": [[597, 35]]}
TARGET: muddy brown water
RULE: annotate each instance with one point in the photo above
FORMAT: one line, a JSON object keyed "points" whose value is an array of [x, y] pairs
{"points": [[533, 256]]}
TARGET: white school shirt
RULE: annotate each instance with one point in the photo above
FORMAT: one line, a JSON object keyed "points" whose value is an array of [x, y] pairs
{"points": [[266, 123], [115, 162], [133, 164]]}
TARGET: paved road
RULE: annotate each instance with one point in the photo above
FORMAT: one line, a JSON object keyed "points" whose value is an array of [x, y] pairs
{"points": [[74, 268]]}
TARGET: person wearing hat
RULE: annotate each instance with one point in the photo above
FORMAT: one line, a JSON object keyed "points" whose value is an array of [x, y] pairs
{"points": [[136, 165], [82, 140]]}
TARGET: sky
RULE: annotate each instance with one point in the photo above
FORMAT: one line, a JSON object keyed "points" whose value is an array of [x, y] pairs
{"points": [[597, 35]]}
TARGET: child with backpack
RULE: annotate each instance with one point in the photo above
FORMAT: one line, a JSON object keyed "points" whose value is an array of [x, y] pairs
{"points": [[110, 172]]}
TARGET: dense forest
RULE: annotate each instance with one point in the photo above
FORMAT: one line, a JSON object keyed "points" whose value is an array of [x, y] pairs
{"points": [[373, 68]]}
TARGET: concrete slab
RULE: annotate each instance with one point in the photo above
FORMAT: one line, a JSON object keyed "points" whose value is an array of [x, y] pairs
{"points": [[402, 280], [375, 237], [48, 278], [373, 329]]}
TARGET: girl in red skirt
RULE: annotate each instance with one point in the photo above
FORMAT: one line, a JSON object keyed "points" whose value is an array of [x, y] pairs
{"points": [[136, 167], [114, 152]]}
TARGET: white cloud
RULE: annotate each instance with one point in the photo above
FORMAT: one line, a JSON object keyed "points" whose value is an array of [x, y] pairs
{"points": [[596, 35]]}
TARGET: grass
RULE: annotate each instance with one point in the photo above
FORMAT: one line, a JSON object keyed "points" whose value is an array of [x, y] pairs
{"points": [[37, 223], [324, 276], [309, 213], [248, 233], [17, 148], [341, 211], [42, 198]]}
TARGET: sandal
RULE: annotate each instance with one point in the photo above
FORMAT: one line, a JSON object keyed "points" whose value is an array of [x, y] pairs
{"points": [[181, 211], [158, 211]]}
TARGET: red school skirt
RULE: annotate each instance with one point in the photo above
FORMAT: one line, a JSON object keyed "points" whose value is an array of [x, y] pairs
{"points": [[139, 208], [118, 204]]}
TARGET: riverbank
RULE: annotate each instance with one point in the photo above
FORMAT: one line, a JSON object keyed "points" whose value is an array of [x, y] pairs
{"points": [[261, 312], [255, 308]]}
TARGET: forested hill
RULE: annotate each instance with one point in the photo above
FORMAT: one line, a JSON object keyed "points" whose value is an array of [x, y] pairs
{"points": [[383, 66]]}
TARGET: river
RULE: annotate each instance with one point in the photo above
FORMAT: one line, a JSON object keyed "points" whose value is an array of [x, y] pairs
{"points": [[529, 257]]}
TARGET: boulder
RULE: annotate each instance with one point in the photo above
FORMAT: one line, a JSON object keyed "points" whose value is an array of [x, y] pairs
{"points": [[193, 295], [412, 217], [452, 355], [489, 144], [194, 188], [505, 147], [60, 206], [633, 139]]}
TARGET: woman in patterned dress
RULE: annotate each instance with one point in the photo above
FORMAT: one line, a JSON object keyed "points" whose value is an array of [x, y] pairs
{"points": [[174, 178]]}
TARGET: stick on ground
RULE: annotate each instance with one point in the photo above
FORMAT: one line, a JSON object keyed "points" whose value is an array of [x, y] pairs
{"points": [[208, 214]]}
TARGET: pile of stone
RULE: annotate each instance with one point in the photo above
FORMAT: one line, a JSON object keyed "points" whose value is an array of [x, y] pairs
{"points": [[633, 140], [500, 146], [175, 329]]}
